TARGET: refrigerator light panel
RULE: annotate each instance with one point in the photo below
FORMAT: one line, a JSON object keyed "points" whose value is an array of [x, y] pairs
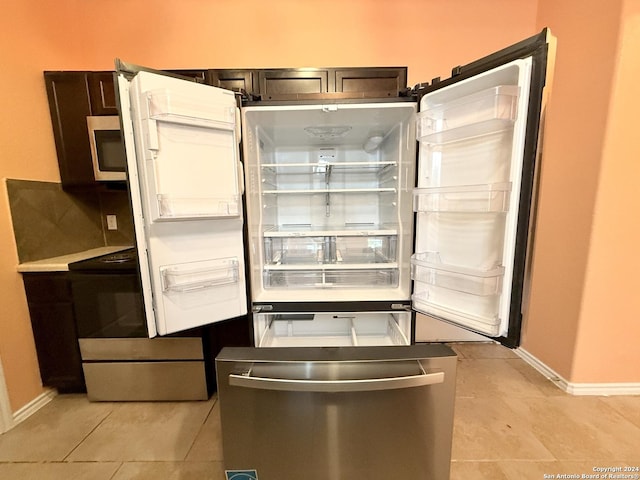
{"points": [[328, 131]]}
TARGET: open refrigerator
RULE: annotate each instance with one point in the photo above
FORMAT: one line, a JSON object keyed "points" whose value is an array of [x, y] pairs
{"points": [[327, 220]]}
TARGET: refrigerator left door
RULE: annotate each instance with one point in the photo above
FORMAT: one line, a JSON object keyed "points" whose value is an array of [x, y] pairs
{"points": [[186, 183]]}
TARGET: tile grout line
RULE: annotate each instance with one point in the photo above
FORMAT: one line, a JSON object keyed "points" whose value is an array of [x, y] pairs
{"points": [[85, 437], [117, 470], [186, 455]]}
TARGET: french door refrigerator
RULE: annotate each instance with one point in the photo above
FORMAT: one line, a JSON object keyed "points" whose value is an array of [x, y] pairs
{"points": [[341, 235]]}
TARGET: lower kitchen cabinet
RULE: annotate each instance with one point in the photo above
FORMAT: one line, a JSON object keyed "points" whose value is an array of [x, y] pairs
{"points": [[54, 331]]}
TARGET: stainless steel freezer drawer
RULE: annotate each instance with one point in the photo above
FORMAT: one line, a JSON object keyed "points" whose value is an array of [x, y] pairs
{"points": [[375, 413]]}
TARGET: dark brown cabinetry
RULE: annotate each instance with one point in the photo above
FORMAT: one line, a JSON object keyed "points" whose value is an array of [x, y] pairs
{"points": [[54, 330], [301, 83], [310, 83], [200, 76], [381, 82], [73, 96], [235, 80], [102, 94], [69, 105], [277, 83]]}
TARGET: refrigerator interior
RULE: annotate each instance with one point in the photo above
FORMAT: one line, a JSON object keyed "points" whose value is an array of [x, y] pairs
{"points": [[345, 329], [329, 201], [329, 219], [471, 136]]}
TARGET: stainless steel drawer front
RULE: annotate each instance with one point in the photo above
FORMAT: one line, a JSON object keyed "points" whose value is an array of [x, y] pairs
{"points": [[320, 413]]}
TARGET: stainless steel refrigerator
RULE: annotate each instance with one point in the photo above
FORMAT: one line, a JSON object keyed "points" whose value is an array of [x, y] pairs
{"points": [[328, 221]]}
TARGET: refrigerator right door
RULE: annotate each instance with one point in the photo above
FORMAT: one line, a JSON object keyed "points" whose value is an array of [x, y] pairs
{"points": [[478, 138]]}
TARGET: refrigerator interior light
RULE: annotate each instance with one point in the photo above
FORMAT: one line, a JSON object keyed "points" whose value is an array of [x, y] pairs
{"points": [[372, 143], [328, 131]]}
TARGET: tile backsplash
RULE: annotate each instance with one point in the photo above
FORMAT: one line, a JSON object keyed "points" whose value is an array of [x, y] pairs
{"points": [[49, 221]]}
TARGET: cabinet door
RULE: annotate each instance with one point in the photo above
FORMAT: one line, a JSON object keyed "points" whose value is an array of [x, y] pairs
{"points": [[54, 331], [379, 82], [285, 83], [235, 80], [200, 76], [102, 93], [69, 106]]}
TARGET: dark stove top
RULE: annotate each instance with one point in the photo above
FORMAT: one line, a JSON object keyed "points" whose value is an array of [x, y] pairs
{"points": [[125, 260]]}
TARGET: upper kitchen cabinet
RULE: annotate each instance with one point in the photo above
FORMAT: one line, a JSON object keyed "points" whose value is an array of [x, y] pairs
{"points": [[285, 83], [102, 95], [198, 76], [371, 82], [70, 105], [235, 80], [310, 83], [75, 100]]}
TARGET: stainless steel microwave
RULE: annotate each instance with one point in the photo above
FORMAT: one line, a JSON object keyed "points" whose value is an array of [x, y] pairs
{"points": [[107, 150]]}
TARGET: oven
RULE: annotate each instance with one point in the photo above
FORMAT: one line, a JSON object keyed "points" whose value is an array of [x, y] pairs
{"points": [[119, 361], [107, 297]]}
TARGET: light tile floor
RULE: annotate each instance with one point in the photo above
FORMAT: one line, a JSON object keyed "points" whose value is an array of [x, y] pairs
{"points": [[510, 423]]}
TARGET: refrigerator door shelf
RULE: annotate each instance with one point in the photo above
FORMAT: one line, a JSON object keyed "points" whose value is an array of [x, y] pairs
{"points": [[175, 208], [464, 198], [467, 240], [333, 329], [484, 160], [427, 268], [199, 275], [484, 112], [168, 106], [479, 313]]}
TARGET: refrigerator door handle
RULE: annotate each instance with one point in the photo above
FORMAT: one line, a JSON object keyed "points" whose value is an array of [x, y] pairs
{"points": [[351, 385]]}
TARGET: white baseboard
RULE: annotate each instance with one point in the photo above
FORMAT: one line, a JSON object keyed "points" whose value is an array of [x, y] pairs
{"points": [[605, 389], [6, 417], [34, 405]]}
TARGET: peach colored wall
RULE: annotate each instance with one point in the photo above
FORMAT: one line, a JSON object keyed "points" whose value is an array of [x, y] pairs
{"points": [[582, 316], [429, 36], [607, 346]]}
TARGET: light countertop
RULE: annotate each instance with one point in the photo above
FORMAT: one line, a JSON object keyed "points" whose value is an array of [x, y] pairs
{"points": [[61, 263]]}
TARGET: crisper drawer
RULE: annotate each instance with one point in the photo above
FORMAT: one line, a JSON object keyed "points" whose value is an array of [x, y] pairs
{"points": [[332, 329], [480, 113], [330, 249], [324, 277]]}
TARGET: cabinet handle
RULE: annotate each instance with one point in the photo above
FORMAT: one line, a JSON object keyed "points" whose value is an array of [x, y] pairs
{"points": [[357, 385]]}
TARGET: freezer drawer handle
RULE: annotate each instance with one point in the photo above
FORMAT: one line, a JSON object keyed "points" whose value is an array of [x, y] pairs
{"points": [[358, 385]]}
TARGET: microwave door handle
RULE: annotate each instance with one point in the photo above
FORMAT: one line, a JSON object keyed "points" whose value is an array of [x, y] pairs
{"points": [[358, 385]]}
